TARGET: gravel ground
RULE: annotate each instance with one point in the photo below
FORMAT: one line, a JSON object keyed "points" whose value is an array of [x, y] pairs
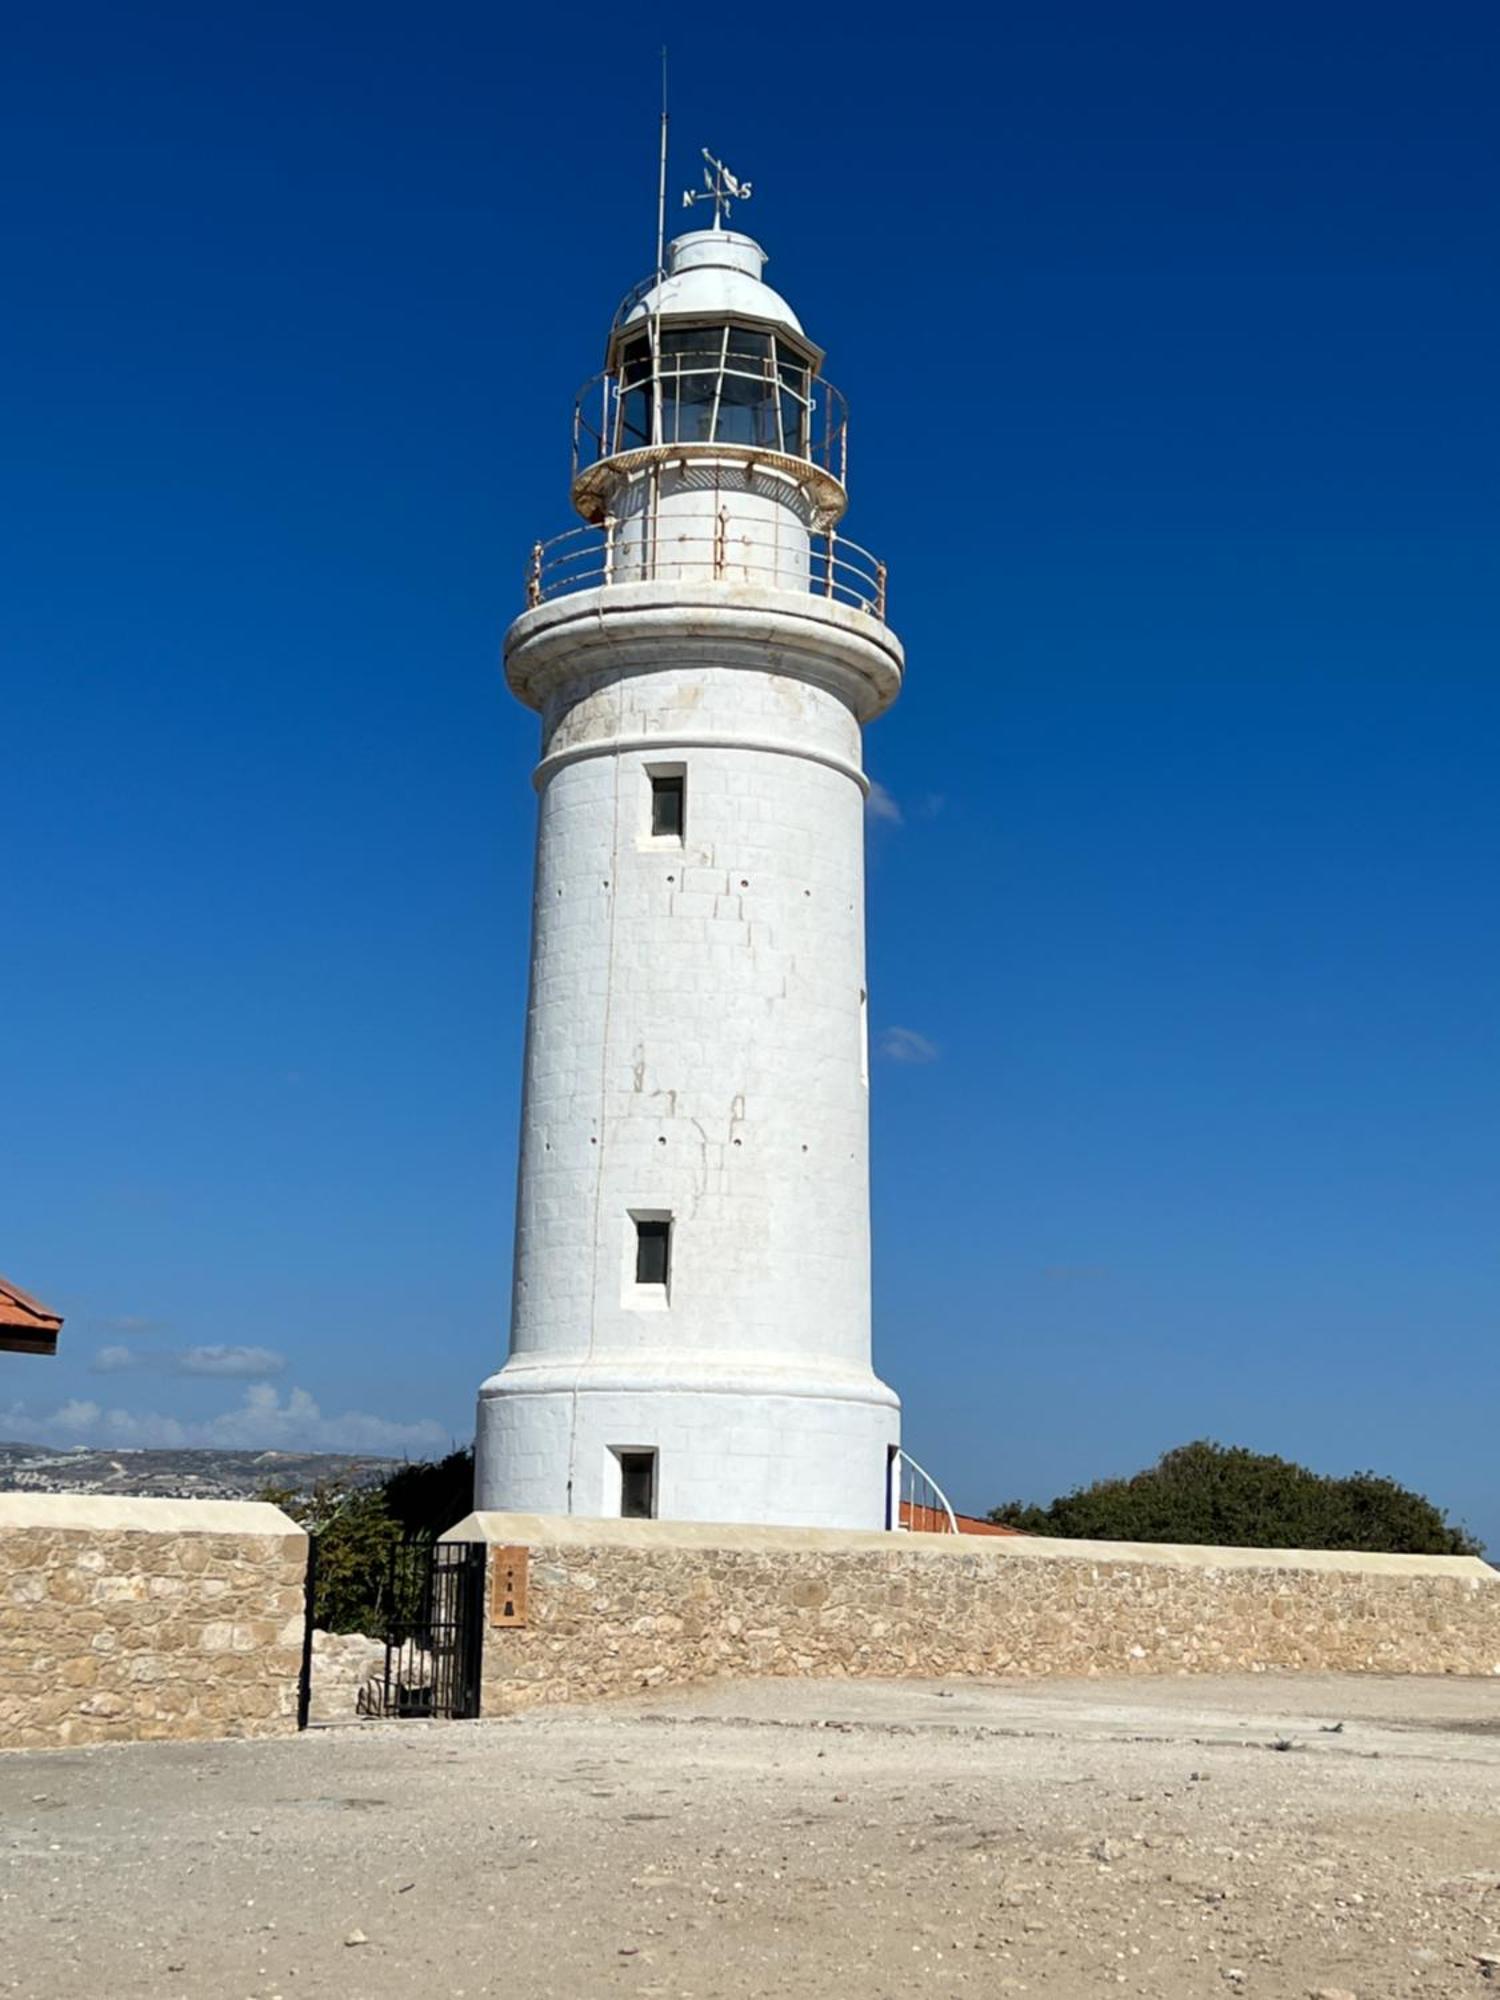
{"points": [[1271, 1836]]}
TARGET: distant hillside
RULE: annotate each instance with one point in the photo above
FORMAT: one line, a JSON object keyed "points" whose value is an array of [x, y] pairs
{"points": [[179, 1475]]}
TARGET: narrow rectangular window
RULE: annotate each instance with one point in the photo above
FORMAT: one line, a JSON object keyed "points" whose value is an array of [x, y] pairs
{"points": [[653, 1250], [637, 1485], [667, 801]]}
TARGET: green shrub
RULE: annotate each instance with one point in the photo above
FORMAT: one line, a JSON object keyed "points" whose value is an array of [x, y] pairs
{"points": [[1206, 1492], [357, 1527], [433, 1495]]}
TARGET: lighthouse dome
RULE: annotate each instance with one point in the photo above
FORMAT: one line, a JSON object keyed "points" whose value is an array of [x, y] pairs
{"points": [[712, 274]]}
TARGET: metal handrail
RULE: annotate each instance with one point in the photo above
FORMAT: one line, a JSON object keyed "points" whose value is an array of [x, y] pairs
{"points": [[633, 298], [584, 558], [917, 1501]]}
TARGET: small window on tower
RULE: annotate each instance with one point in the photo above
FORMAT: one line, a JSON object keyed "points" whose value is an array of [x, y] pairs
{"points": [[653, 1249], [637, 1485], [668, 802]]}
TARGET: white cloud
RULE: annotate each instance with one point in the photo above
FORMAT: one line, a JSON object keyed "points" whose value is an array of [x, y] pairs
{"points": [[249, 1363], [253, 1361], [880, 805], [73, 1417], [905, 1045], [262, 1421]]}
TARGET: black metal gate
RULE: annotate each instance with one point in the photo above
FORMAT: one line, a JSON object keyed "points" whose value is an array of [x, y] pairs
{"points": [[434, 1637]]}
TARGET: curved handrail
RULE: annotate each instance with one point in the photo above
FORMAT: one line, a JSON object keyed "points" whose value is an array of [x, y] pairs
{"points": [[633, 298], [918, 1500]]}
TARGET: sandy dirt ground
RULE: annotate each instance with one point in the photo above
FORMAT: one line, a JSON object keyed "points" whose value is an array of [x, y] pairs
{"points": [[1268, 1836]]}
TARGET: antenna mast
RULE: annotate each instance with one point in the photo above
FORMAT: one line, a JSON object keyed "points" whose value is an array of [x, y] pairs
{"points": [[661, 275], [661, 179]]}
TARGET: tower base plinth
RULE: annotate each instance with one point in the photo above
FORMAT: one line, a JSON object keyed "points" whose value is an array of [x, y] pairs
{"points": [[728, 1452]]}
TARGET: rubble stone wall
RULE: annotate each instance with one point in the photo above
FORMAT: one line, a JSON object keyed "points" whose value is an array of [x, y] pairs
{"points": [[126, 1619], [614, 1606], [348, 1674]]}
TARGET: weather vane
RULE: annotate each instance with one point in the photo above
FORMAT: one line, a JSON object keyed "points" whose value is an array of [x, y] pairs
{"points": [[720, 187]]}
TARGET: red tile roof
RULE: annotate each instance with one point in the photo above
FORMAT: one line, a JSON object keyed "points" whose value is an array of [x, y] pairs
{"points": [[26, 1325], [933, 1521]]}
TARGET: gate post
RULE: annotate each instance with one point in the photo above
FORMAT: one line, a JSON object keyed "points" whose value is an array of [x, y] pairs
{"points": [[309, 1598], [476, 1567]]}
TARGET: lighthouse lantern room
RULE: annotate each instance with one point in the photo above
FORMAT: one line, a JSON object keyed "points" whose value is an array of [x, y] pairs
{"points": [[690, 1334]]}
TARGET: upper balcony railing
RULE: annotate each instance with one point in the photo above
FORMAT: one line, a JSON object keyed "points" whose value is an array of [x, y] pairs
{"points": [[713, 384], [587, 558], [642, 288]]}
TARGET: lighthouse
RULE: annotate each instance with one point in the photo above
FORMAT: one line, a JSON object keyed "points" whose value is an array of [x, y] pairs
{"points": [[690, 1333]]}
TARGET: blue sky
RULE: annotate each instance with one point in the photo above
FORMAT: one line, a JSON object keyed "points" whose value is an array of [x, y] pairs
{"points": [[1170, 337]]}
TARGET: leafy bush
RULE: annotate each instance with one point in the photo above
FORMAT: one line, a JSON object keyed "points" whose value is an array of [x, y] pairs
{"points": [[1206, 1492], [358, 1527], [432, 1495]]}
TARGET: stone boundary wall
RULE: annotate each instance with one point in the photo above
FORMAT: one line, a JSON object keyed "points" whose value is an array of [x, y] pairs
{"points": [[348, 1676], [615, 1606], [125, 1619]]}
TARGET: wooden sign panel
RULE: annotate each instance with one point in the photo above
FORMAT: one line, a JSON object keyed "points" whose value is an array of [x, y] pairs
{"points": [[508, 1568]]}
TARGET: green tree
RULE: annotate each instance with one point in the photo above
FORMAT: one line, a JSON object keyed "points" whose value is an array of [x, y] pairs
{"points": [[1207, 1492], [358, 1527], [431, 1496], [356, 1533]]}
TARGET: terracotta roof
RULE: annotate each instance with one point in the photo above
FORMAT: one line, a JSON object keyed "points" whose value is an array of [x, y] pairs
{"points": [[26, 1325], [933, 1521]]}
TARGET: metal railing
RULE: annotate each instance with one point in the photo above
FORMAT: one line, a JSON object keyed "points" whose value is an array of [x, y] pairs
{"points": [[918, 1505], [649, 550], [633, 297]]}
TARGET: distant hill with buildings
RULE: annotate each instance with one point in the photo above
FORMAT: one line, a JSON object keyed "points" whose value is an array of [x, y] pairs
{"points": [[179, 1475]]}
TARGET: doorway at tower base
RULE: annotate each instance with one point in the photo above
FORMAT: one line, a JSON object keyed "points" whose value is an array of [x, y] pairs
{"points": [[580, 1609], [733, 1452]]}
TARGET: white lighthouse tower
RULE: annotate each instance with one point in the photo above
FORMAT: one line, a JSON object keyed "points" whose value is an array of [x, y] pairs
{"points": [[691, 1323]]}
